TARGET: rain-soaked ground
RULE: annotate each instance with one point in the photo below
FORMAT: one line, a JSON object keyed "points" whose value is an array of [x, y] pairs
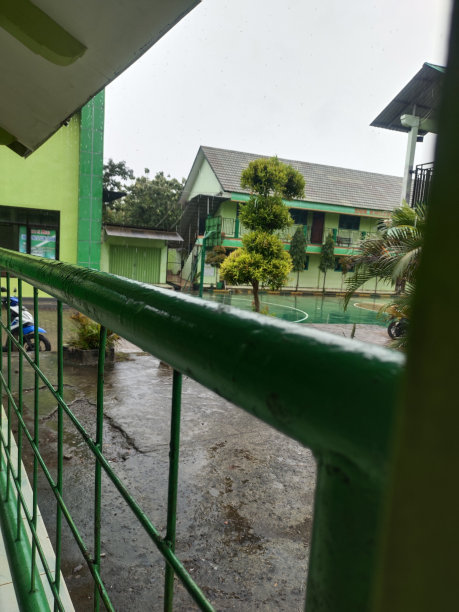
{"points": [[245, 496], [245, 492]]}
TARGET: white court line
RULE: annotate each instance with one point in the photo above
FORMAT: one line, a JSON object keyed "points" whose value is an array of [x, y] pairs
{"points": [[356, 305], [279, 305]]}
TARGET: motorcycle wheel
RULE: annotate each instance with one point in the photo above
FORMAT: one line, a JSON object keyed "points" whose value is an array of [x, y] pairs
{"points": [[392, 330], [43, 343]]}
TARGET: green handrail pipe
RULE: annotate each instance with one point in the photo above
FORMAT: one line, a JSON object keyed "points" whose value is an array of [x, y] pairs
{"points": [[279, 372]]}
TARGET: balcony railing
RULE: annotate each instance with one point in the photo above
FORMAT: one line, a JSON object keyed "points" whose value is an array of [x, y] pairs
{"points": [[345, 237], [260, 366], [233, 228], [422, 185]]}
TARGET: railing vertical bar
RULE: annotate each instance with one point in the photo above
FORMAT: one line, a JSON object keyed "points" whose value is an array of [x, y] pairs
{"points": [[8, 323], [1, 385], [36, 439], [20, 397], [98, 468], [60, 445], [174, 450]]}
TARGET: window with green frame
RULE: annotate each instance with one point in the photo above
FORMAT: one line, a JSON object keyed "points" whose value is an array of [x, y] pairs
{"points": [[29, 230]]}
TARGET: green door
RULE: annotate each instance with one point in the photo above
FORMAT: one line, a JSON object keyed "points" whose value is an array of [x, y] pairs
{"points": [[138, 263]]}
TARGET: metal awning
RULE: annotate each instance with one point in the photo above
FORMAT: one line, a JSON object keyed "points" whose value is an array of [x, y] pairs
{"points": [[55, 55], [420, 97], [110, 196], [138, 232]]}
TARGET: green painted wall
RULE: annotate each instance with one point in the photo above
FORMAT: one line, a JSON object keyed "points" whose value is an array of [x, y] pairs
{"points": [[47, 179], [131, 244], [227, 209], [368, 224], [174, 261], [313, 279], [90, 182], [206, 182], [186, 270], [64, 174], [310, 279]]}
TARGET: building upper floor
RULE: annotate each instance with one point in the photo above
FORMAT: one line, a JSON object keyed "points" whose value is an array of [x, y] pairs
{"points": [[344, 202]]}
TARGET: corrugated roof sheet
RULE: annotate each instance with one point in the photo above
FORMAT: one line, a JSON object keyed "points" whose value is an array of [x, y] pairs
{"points": [[421, 96], [137, 232], [324, 184]]}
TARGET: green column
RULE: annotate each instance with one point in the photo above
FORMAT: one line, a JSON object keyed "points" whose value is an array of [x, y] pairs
{"points": [[419, 563], [90, 182]]}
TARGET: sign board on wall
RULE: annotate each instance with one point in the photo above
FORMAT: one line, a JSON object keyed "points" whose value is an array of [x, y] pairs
{"points": [[42, 242]]}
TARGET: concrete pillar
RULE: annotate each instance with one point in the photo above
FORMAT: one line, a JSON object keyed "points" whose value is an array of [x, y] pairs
{"points": [[412, 122]]}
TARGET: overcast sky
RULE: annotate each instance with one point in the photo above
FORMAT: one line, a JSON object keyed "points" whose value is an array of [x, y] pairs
{"points": [[301, 79]]}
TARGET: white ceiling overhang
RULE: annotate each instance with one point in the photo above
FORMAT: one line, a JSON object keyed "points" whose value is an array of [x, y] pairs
{"points": [[57, 54]]}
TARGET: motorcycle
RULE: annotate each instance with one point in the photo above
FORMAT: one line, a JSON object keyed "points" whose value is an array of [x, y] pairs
{"points": [[28, 326], [397, 328]]}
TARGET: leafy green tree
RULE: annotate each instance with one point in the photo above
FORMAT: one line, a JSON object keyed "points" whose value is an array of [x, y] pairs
{"points": [[216, 256], [116, 175], [262, 259], [148, 202], [298, 252], [153, 202], [327, 257]]}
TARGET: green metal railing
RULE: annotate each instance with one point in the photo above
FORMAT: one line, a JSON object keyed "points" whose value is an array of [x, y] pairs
{"points": [[233, 228], [259, 367], [335, 396], [347, 238]]}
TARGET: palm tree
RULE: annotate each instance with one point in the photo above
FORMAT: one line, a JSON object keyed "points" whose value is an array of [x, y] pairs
{"points": [[392, 256]]}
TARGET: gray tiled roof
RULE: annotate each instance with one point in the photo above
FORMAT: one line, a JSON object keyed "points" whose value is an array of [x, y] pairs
{"points": [[324, 184]]}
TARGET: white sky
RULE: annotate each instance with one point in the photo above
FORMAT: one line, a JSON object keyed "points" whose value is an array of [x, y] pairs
{"points": [[299, 79]]}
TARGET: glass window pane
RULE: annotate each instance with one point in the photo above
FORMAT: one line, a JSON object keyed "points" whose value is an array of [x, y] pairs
{"points": [[350, 222]]}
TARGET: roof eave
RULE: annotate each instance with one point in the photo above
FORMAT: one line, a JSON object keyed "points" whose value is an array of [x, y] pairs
{"points": [[410, 97]]}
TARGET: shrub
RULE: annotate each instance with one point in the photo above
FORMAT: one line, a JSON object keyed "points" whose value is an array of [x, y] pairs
{"points": [[87, 333]]}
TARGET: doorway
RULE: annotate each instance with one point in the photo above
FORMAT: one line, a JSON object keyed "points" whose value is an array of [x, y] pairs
{"points": [[317, 229]]}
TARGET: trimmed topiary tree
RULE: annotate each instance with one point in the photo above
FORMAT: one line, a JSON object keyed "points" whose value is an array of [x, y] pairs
{"points": [[298, 252], [262, 259], [327, 257]]}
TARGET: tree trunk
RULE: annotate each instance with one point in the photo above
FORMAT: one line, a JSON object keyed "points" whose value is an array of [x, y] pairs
{"points": [[323, 286], [297, 279], [256, 299]]}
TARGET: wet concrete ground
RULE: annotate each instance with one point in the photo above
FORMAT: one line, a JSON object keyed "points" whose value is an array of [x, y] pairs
{"points": [[245, 498], [245, 492]]}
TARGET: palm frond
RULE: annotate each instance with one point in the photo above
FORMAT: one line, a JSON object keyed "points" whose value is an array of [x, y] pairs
{"points": [[392, 255]]}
